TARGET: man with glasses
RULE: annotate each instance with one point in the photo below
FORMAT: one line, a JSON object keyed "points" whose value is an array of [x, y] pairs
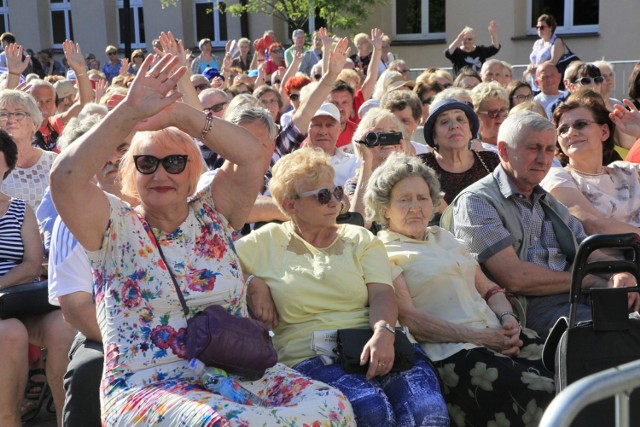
{"points": [[522, 237], [548, 80], [112, 67]]}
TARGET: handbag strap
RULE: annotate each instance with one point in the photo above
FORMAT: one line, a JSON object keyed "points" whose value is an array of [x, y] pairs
{"points": [[566, 46], [481, 161], [185, 308]]}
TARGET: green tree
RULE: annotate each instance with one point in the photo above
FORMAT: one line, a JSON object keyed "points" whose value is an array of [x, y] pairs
{"points": [[338, 14]]}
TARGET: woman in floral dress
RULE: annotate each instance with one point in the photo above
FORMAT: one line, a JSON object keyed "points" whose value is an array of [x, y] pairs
{"points": [[146, 379]]}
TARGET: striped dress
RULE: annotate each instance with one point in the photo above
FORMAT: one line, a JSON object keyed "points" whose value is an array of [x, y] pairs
{"points": [[11, 244]]}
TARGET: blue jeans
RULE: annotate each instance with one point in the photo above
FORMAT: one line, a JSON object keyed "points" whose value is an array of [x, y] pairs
{"points": [[404, 399]]}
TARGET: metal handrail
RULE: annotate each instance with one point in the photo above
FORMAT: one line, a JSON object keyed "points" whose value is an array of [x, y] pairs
{"points": [[619, 381]]}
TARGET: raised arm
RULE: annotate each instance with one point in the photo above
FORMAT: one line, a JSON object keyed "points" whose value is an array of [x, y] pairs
{"points": [[493, 32], [75, 58], [16, 64], [327, 44], [457, 42], [85, 210], [335, 60], [374, 66], [172, 46]]}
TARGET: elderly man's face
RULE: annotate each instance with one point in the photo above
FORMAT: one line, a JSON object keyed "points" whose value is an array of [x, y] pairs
{"points": [[493, 72], [323, 133], [548, 78], [215, 102], [528, 163], [46, 99]]}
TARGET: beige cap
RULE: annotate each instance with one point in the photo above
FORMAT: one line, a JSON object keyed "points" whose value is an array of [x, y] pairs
{"points": [[65, 88]]}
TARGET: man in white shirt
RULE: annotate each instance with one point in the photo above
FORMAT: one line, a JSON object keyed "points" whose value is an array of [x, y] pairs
{"points": [[548, 80]]}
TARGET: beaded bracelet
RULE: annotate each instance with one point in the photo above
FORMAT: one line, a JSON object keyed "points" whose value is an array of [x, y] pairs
{"points": [[249, 279], [491, 292], [207, 125], [508, 313]]}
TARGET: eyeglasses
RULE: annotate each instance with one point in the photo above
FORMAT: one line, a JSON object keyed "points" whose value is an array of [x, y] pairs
{"points": [[523, 97], [201, 86], [577, 125], [323, 195], [540, 27], [138, 57], [427, 101], [173, 164], [294, 96], [112, 53], [19, 115], [216, 108], [276, 51], [587, 80], [494, 114]]}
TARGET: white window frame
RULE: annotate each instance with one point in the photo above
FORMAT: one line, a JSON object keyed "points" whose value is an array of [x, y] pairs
{"points": [[568, 27], [4, 13], [425, 33], [215, 39], [136, 7], [65, 7]]}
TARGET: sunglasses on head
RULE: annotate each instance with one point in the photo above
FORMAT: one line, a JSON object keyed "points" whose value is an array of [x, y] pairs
{"points": [[323, 195], [588, 80], [216, 108], [577, 125], [494, 114], [173, 164], [294, 96]]}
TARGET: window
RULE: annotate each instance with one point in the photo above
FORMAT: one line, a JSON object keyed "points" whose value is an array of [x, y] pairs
{"points": [[136, 24], [4, 16], [419, 19], [211, 21], [572, 16], [61, 25]]}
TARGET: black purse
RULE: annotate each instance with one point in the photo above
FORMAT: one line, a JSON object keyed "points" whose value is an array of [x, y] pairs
{"points": [[25, 300], [567, 58], [352, 341]]}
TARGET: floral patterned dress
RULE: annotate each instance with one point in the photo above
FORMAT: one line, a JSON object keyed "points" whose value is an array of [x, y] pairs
{"points": [[146, 379]]}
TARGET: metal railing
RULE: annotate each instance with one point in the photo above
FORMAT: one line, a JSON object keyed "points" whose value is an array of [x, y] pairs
{"points": [[619, 381]]}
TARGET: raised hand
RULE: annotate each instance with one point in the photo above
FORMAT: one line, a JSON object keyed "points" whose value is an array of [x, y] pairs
{"points": [[74, 56], [338, 56], [15, 62], [171, 46], [101, 89], [626, 120], [124, 66], [493, 27], [151, 92], [327, 40], [376, 38]]}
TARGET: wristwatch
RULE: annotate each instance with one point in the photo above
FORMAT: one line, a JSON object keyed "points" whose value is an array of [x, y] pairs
{"points": [[386, 326]]}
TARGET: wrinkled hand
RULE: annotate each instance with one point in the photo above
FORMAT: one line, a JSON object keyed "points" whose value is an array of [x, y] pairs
{"points": [[627, 120], [151, 90], [626, 280], [261, 303], [74, 56], [171, 46], [15, 63], [323, 34], [101, 89], [338, 56], [376, 38], [493, 27], [379, 352], [503, 339], [297, 57]]}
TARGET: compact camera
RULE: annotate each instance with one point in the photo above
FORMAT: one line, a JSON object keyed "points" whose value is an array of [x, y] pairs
{"points": [[374, 139]]}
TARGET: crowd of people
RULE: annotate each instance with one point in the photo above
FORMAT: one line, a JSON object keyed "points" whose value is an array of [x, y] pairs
{"points": [[315, 188]]}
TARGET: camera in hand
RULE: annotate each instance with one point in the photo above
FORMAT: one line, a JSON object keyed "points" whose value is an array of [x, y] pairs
{"points": [[374, 139]]}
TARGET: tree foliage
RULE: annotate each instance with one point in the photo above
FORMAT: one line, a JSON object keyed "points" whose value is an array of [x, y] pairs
{"points": [[338, 14]]}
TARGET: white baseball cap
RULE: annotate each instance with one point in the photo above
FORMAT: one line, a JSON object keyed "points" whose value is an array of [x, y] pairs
{"points": [[328, 109]]}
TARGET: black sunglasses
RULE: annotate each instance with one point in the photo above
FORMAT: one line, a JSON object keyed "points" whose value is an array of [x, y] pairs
{"points": [[216, 108], [577, 125], [294, 96], [173, 164], [587, 80], [112, 53], [323, 195], [138, 56]]}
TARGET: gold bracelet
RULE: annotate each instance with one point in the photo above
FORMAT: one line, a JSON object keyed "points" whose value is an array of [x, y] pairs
{"points": [[14, 74], [207, 125]]}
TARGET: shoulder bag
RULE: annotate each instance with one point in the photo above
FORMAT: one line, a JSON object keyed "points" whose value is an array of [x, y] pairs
{"points": [[567, 58]]}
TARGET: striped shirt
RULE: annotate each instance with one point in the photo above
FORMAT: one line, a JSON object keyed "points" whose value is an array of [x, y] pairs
{"points": [[11, 244]]}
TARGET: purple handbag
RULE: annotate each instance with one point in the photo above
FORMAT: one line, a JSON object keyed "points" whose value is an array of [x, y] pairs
{"points": [[240, 345]]}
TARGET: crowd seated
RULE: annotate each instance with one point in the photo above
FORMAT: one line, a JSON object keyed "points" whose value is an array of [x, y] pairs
{"points": [[249, 168]]}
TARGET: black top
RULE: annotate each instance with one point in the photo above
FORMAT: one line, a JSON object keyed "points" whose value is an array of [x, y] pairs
{"points": [[473, 59]]}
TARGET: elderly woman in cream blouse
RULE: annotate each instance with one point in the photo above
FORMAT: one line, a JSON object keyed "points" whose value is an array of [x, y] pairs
{"points": [[491, 368]]}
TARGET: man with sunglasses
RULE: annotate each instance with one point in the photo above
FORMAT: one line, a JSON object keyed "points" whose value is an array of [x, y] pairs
{"points": [[519, 233]]}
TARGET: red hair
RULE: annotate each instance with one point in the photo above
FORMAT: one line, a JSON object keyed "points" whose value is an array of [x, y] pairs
{"points": [[297, 83]]}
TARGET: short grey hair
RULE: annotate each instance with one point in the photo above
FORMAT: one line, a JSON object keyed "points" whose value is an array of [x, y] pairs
{"points": [[512, 130], [397, 167], [76, 128], [486, 91], [250, 114], [243, 100], [458, 93], [18, 98], [489, 63]]}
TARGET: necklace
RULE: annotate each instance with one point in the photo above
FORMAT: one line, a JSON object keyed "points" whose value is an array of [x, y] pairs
{"points": [[601, 171]]}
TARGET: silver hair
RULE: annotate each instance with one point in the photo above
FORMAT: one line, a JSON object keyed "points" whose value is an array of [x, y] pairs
{"points": [[76, 128], [488, 91], [458, 93], [512, 130], [397, 167], [250, 114], [17, 98]]}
